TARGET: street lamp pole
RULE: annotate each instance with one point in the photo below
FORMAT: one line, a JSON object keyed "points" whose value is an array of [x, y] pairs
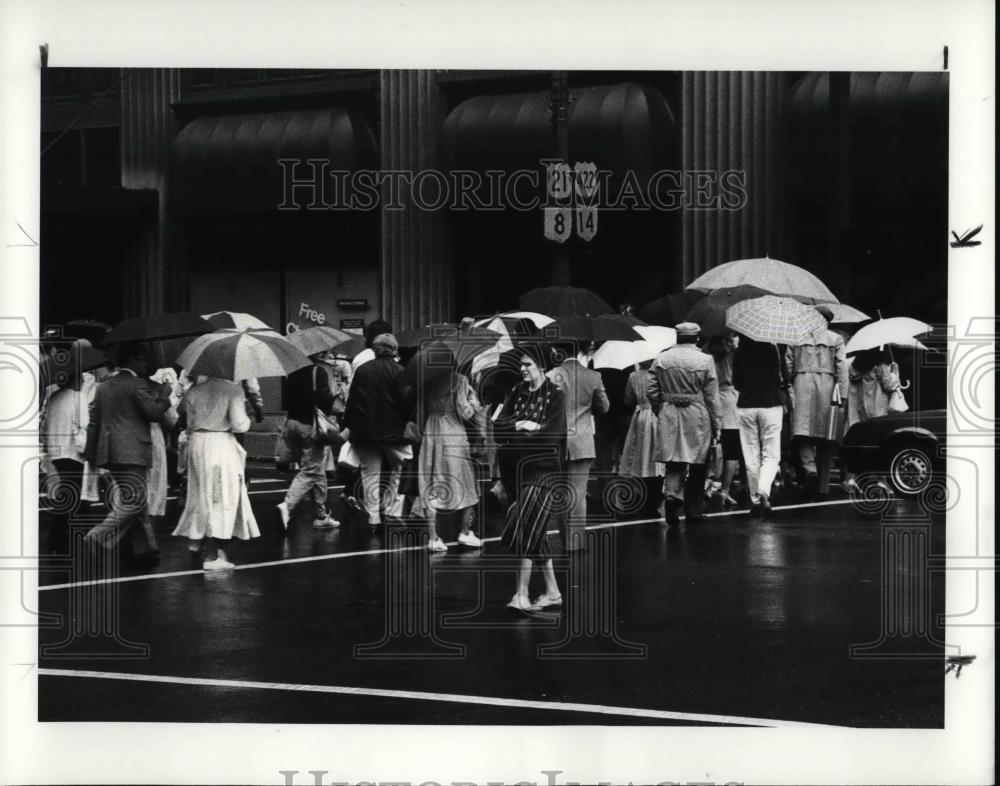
{"points": [[559, 105]]}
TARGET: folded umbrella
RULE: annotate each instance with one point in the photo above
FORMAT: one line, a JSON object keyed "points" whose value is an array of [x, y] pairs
{"points": [[895, 331], [242, 354], [319, 338], [776, 320], [772, 275], [562, 302], [710, 312], [158, 327], [605, 328], [236, 319]]}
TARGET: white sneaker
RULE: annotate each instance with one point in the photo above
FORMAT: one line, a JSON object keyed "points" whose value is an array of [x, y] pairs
{"points": [[437, 545], [469, 539], [327, 522], [285, 515], [218, 564], [520, 603], [547, 601]]}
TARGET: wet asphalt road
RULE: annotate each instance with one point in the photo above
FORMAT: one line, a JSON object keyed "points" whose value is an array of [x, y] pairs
{"points": [[737, 620]]}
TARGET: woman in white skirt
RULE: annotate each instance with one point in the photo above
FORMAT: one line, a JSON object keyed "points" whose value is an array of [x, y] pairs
{"points": [[218, 507]]}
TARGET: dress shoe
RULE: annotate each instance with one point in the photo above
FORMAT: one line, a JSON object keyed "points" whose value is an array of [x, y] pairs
{"points": [[671, 513]]}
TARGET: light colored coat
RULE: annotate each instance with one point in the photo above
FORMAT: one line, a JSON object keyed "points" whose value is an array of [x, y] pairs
{"points": [[584, 391], [868, 396], [816, 369], [685, 387]]}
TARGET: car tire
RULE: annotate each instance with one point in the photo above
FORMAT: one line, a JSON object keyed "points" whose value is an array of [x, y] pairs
{"points": [[911, 468]]}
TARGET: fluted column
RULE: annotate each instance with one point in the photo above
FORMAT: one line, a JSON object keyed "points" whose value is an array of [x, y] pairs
{"points": [[416, 267], [731, 122], [156, 275]]}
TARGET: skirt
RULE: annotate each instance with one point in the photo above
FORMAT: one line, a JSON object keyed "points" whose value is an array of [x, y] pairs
{"points": [[524, 534], [639, 451], [217, 502], [156, 484]]}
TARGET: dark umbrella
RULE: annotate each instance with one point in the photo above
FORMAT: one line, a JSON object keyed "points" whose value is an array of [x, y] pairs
{"points": [[433, 360], [158, 327], [414, 337], [669, 310], [710, 312], [561, 302], [351, 348], [92, 330], [67, 364], [606, 328]]}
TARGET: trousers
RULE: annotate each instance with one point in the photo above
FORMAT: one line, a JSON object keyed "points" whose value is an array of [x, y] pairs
{"points": [[760, 438], [128, 504], [690, 492], [309, 484], [571, 517], [381, 496]]}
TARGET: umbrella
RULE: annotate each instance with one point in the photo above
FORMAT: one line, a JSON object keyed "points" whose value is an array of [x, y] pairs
{"points": [[470, 344], [898, 331], [621, 355], [434, 359], [93, 330], [669, 310], [154, 327], [710, 312], [511, 320], [319, 338], [846, 315], [235, 319], [776, 320], [590, 329], [242, 354], [351, 348], [414, 337], [68, 363], [772, 275], [564, 301]]}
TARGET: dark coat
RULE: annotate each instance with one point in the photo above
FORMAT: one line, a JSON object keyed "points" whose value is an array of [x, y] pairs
{"points": [[307, 390], [118, 432], [377, 407]]}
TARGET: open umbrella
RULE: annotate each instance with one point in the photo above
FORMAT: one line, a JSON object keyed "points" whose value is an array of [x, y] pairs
{"points": [[895, 331], [625, 354], [236, 319], [772, 275], [846, 315], [513, 321], [669, 310], [434, 359], [66, 364], [415, 337], [351, 348], [93, 330], [605, 328], [564, 302], [242, 354], [158, 327], [319, 338], [710, 312], [776, 320]]}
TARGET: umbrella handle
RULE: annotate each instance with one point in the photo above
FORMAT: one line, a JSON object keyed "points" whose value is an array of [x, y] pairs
{"points": [[904, 385]]}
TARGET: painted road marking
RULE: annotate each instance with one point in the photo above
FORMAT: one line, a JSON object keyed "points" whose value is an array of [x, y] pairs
{"points": [[459, 698], [374, 552]]}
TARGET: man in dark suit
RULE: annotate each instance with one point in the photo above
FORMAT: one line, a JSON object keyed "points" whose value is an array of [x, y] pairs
{"points": [[376, 417], [118, 439], [585, 396]]}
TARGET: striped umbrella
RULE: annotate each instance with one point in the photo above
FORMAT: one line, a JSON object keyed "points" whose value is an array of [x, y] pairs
{"points": [[237, 320], [776, 320], [242, 354], [625, 354], [319, 338], [514, 322]]}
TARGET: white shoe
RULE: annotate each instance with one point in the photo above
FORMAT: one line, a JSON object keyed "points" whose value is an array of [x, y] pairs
{"points": [[469, 539], [437, 545], [327, 522], [520, 603], [285, 515], [547, 601], [218, 564]]}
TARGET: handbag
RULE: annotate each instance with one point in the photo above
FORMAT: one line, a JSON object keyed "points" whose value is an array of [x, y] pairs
{"points": [[325, 429], [897, 402]]}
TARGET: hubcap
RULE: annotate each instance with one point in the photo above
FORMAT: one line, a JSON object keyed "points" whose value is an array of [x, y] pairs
{"points": [[911, 470]]}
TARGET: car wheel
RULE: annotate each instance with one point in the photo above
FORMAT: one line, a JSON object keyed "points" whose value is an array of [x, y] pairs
{"points": [[911, 469]]}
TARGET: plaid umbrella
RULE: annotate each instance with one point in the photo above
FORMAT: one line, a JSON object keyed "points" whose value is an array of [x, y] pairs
{"points": [[237, 320], [564, 302], [319, 338], [772, 275], [775, 320], [242, 354], [710, 312]]}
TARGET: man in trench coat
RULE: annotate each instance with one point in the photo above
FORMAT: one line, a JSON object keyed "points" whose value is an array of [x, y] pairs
{"points": [[685, 390], [817, 370]]}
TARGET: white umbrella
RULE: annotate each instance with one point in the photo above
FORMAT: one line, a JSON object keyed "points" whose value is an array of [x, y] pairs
{"points": [[241, 354], [897, 331], [624, 354], [846, 315], [236, 319], [775, 276]]}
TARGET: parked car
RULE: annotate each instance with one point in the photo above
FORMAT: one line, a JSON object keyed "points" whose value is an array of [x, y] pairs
{"points": [[904, 450]]}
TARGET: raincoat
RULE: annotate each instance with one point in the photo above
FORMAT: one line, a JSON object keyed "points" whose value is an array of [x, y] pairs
{"points": [[869, 393], [685, 387], [816, 369]]}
